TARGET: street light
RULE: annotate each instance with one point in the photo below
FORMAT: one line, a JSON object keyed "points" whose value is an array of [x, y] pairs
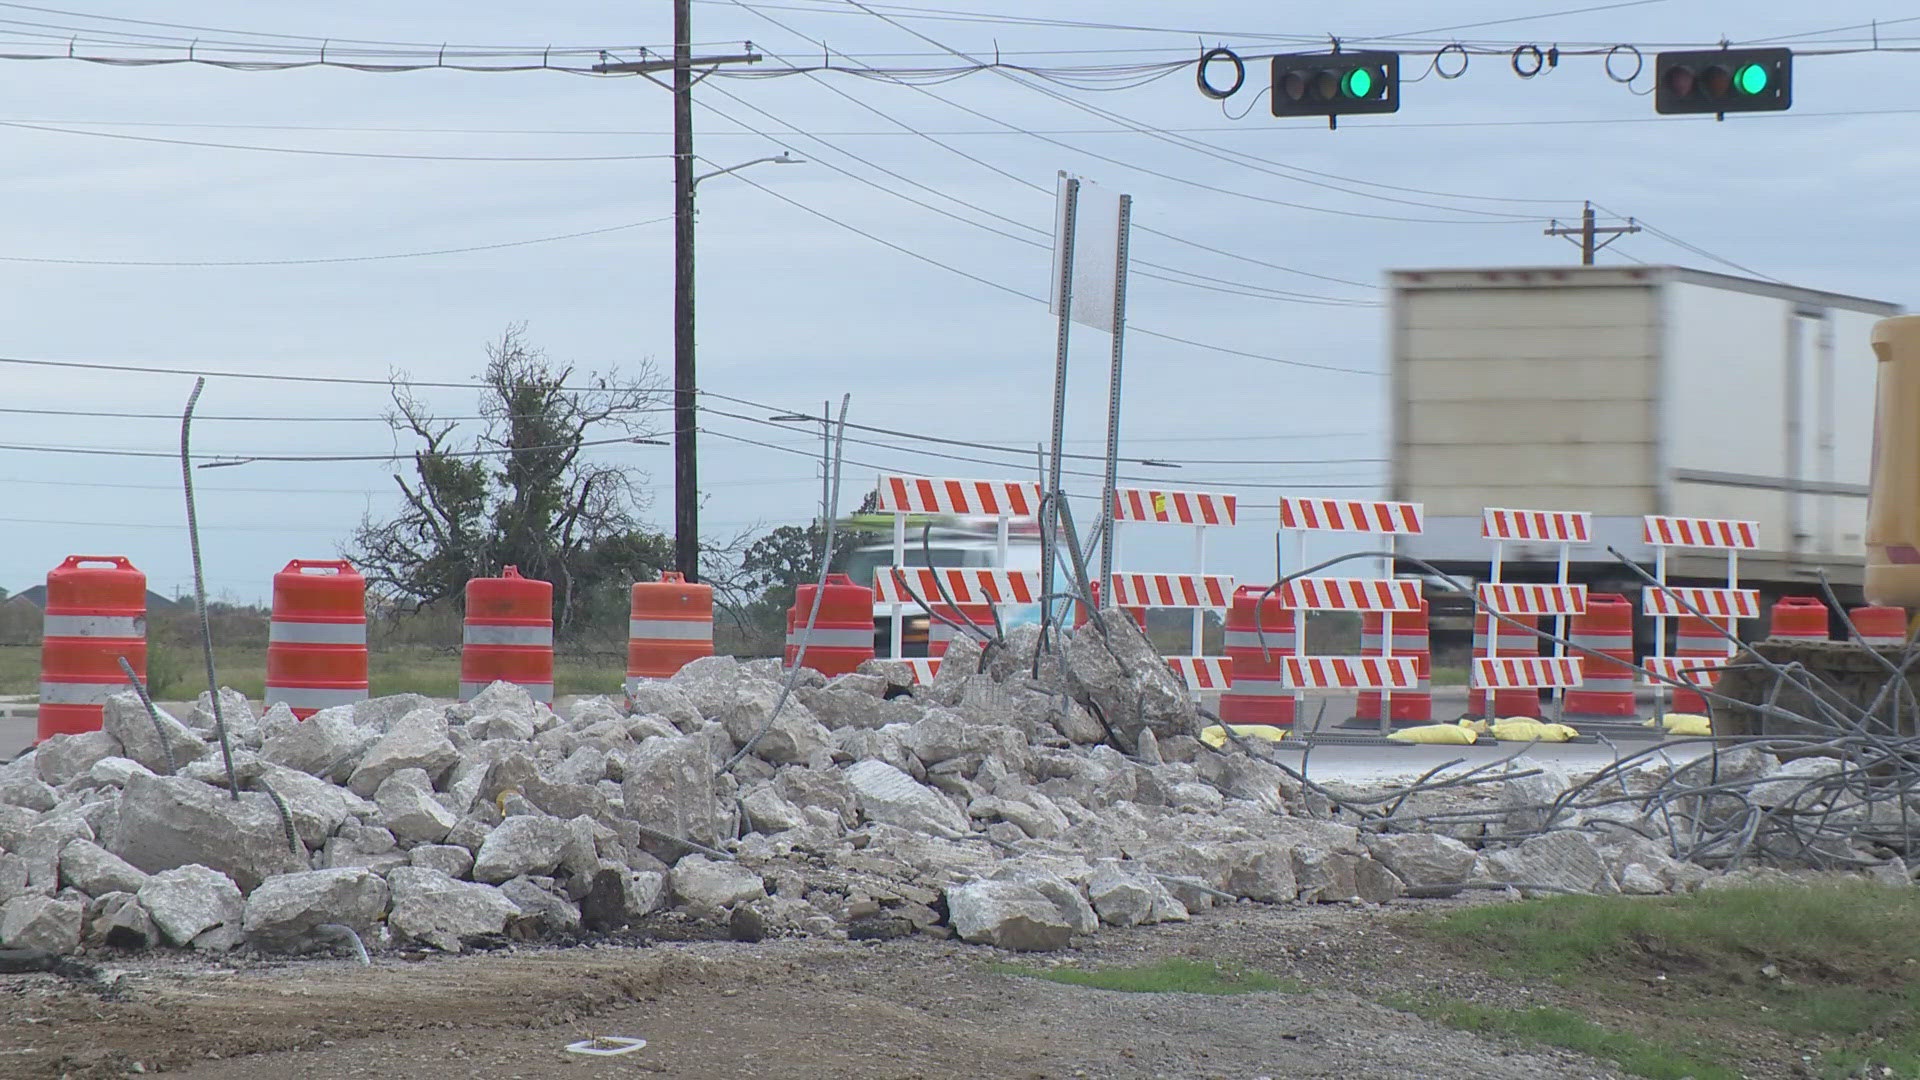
{"points": [[782, 158], [686, 468]]}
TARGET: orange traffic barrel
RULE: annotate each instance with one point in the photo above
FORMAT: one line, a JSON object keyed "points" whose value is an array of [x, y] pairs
{"points": [[669, 625], [1607, 680], [1257, 696], [95, 615], [508, 636], [1409, 639], [317, 643], [1510, 641], [1080, 618], [1802, 617], [940, 635], [1880, 625], [841, 637], [1698, 638]]}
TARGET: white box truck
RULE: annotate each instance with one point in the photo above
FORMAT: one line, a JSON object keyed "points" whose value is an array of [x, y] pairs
{"points": [[1626, 391]]}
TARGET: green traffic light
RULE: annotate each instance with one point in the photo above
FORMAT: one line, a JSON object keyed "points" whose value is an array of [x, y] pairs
{"points": [[1358, 83], [1751, 79]]}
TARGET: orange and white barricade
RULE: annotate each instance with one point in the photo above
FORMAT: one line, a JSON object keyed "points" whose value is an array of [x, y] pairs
{"points": [[1562, 529], [975, 588], [1196, 591], [1002, 500], [1200, 510], [1386, 596], [1721, 605]]}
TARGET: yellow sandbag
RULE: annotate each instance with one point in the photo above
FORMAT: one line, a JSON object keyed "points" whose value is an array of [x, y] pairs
{"points": [[1435, 735], [1687, 724], [1478, 727], [1521, 729], [1216, 737]]}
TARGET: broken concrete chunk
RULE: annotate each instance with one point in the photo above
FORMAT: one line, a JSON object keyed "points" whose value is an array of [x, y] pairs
{"points": [[417, 740], [117, 921], [41, 922], [284, 911], [408, 807], [188, 901], [169, 821], [327, 744], [892, 797], [1007, 915], [433, 909], [450, 859], [521, 845], [1125, 898], [705, 886], [1428, 863], [94, 870], [541, 912], [61, 758], [141, 735]]}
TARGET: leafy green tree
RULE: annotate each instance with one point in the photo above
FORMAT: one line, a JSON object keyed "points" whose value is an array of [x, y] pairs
{"points": [[525, 490]]}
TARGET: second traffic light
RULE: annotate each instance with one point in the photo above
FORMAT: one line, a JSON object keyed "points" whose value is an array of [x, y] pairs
{"points": [[1723, 81], [1336, 84]]}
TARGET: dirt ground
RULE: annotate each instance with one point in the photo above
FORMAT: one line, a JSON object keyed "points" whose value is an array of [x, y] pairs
{"points": [[909, 1009]]}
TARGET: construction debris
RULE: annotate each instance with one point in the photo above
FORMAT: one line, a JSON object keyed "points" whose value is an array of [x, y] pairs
{"points": [[1005, 809]]}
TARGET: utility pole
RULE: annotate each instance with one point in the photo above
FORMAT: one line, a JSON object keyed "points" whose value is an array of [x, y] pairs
{"points": [[686, 472], [1587, 232]]}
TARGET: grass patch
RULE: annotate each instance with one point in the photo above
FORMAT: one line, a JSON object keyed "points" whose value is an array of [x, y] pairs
{"points": [[1173, 975], [1832, 968], [1558, 1027], [1449, 675], [177, 672]]}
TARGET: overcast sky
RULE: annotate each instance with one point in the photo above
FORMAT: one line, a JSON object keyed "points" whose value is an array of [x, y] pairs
{"points": [[796, 309]]}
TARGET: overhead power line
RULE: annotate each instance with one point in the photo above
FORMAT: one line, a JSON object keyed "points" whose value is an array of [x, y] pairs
{"points": [[815, 454], [337, 258], [1011, 291], [327, 153]]}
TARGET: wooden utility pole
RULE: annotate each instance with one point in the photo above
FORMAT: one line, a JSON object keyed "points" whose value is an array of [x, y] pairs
{"points": [[1588, 232], [686, 469]]}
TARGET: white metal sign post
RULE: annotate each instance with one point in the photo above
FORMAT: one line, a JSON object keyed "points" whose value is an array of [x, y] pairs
{"points": [[1089, 287]]}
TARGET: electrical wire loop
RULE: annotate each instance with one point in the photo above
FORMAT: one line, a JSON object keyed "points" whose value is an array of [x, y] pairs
{"points": [[1528, 61], [1439, 61], [1200, 73], [1639, 63]]}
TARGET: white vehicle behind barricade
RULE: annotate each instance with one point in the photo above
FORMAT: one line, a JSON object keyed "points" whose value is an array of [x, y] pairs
{"points": [[949, 542]]}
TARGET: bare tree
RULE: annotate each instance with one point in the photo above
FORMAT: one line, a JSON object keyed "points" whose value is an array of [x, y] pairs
{"points": [[528, 490]]}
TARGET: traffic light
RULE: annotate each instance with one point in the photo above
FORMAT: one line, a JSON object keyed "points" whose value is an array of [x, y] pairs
{"points": [[1336, 84], [1723, 81]]}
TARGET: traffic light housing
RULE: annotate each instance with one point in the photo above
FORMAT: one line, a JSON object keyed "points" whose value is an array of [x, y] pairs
{"points": [[1336, 84], [1723, 81]]}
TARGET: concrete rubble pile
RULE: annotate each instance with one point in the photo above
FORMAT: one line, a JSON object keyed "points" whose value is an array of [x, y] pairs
{"points": [[986, 805]]}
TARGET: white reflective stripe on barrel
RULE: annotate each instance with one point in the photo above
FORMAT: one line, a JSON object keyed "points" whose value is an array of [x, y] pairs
{"points": [[1245, 687], [1603, 642], [542, 692], [670, 629], [482, 634], [1601, 682], [316, 633], [833, 639], [68, 693], [307, 697], [107, 626], [1249, 639]]}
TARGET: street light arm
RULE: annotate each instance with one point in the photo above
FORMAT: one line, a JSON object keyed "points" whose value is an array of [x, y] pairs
{"points": [[782, 158]]}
